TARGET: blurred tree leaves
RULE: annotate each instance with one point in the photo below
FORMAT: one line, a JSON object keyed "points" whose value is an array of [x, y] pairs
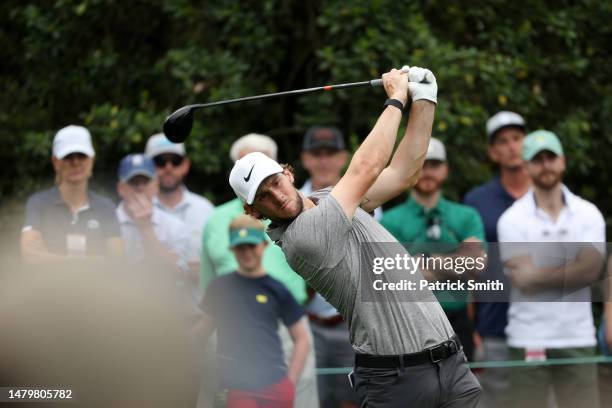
{"points": [[120, 67]]}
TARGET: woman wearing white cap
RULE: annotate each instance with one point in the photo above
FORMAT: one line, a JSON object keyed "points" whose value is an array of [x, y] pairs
{"points": [[69, 219]]}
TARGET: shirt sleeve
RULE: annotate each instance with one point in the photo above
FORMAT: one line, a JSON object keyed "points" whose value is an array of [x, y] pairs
{"points": [[291, 312], [33, 214], [512, 240], [216, 256], [473, 226]]}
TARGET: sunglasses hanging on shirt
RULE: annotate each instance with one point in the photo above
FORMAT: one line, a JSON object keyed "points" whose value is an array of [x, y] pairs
{"points": [[434, 231]]}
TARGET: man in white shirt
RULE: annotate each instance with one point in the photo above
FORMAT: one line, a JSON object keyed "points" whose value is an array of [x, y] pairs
{"points": [[172, 166], [552, 246]]}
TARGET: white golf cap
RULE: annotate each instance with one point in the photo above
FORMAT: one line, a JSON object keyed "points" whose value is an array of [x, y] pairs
{"points": [[72, 139], [436, 150], [159, 144], [501, 120], [248, 173]]}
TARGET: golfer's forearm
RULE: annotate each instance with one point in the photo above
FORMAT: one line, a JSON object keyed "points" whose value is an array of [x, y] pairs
{"points": [[374, 153], [410, 155], [298, 359]]}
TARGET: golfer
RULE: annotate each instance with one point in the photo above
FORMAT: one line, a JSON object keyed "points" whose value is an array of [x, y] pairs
{"points": [[406, 351]]}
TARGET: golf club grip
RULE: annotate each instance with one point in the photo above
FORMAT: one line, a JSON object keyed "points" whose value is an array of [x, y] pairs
{"points": [[376, 82]]}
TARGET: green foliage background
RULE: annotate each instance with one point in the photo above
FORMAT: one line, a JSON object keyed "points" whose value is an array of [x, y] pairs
{"points": [[119, 67]]}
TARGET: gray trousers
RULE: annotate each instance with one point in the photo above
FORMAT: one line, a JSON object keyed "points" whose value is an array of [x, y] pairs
{"points": [[447, 383]]}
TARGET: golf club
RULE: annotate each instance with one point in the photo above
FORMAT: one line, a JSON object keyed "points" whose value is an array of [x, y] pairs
{"points": [[177, 126]]}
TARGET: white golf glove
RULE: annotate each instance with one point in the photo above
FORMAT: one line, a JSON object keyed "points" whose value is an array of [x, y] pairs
{"points": [[422, 84]]}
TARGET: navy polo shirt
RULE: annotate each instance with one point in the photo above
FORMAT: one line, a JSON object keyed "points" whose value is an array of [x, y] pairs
{"points": [[246, 312], [491, 200], [47, 213]]}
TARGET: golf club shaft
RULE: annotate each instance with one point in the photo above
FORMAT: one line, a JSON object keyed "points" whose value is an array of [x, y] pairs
{"points": [[374, 82]]}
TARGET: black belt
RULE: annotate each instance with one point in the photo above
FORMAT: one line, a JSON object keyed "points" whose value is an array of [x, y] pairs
{"points": [[429, 355]]}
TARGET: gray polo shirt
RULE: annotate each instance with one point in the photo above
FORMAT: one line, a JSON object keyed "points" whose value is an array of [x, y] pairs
{"points": [[92, 225], [326, 249]]}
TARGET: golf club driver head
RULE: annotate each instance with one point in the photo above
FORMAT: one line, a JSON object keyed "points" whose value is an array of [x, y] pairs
{"points": [[178, 125]]}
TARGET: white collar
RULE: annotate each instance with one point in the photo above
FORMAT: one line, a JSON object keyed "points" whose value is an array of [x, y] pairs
{"points": [[184, 202], [569, 199]]}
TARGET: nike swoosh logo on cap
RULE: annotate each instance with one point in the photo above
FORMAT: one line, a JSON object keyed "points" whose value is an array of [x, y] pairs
{"points": [[248, 177]]}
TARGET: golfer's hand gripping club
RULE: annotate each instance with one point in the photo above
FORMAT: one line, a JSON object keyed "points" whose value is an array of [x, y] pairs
{"points": [[422, 84]]}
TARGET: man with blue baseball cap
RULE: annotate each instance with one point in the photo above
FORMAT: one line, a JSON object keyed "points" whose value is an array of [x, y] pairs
{"points": [[552, 243], [148, 231]]}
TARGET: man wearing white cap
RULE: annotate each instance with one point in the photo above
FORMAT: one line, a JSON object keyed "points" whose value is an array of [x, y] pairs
{"points": [[406, 351], [69, 219], [427, 223], [173, 197]]}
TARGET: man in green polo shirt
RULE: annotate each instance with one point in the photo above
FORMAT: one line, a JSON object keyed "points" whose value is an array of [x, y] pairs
{"points": [[429, 224]]}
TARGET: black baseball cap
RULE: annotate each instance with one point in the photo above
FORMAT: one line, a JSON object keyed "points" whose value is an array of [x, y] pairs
{"points": [[328, 137]]}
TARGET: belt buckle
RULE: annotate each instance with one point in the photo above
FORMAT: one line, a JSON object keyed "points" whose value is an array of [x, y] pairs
{"points": [[453, 346], [431, 356]]}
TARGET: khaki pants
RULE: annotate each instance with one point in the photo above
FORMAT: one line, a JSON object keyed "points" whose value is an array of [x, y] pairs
{"points": [[573, 385]]}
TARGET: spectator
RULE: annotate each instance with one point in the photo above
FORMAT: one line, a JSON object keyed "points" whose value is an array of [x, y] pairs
{"points": [[149, 233], [505, 131], [218, 260], [245, 307], [323, 156], [69, 219], [430, 224], [172, 166], [537, 329]]}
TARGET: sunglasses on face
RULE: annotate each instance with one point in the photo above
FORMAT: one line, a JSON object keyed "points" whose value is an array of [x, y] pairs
{"points": [[160, 161]]}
